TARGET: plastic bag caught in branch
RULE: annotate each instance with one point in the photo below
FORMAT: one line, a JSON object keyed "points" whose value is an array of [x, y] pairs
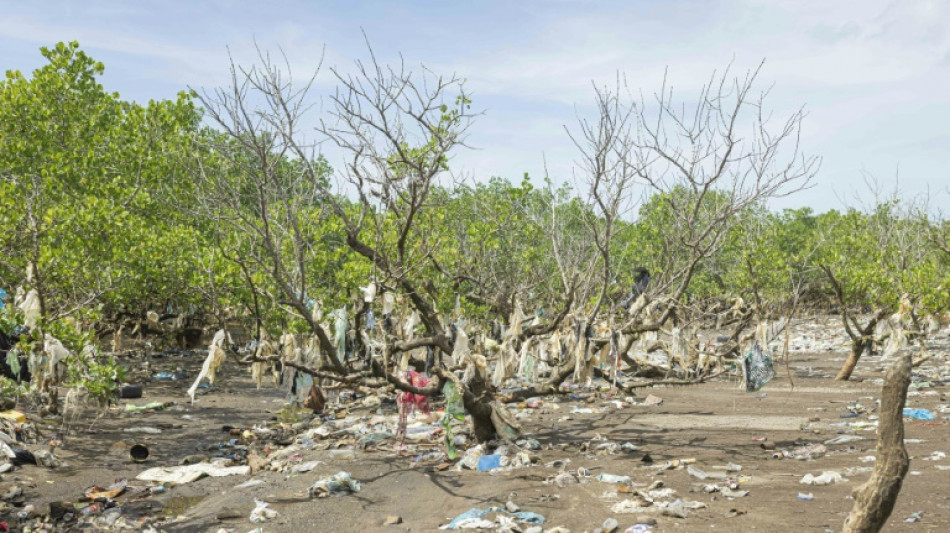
{"points": [[460, 351], [31, 308], [369, 292], [57, 354], [216, 356], [339, 332], [389, 303], [757, 368]]}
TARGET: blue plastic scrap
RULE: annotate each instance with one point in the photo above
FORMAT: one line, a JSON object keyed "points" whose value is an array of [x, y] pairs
{"points": [[523, 516], [919, 414], [488, 462]]}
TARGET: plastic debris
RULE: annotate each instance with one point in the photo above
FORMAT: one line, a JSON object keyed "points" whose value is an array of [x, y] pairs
{"points": [[806, 496], [638, 528], [340, 483], [757, 368], [216, 357], [844, 439], [826, 478], [808, 452], [475, 518], [261, 512], [612, 478], [919, 414], [186, 474], [489, 462], [306, 467], [914, 517], [47, 458]]}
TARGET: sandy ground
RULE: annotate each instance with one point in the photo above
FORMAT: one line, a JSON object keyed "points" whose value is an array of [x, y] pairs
{"points": [[714, 423]]}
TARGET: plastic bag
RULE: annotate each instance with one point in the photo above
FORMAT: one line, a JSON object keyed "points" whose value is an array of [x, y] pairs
{"points": [[757, 367], [31, 309], [216, 357], [340, 483], [261, 512]]}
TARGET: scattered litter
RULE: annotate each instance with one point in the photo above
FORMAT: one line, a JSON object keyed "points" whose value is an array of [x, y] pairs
{"points": [[808, 452], [489, 462], [47, 458], [826, 478], [678, 463], [475, 518], [914, 517], [757, 368], [143, 429], [844, 439], [179, 475], [341, 483], [807, 496], [919, 414], [306, 467], [613, 478], [261, 512]]}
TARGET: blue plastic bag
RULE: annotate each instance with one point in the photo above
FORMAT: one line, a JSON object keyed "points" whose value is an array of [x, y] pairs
{"points": [[919, 414]]}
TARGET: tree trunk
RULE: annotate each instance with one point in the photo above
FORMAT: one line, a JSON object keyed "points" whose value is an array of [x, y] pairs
{"points": [[857, 348], [875, 499], [477, 399], [490, 418]]}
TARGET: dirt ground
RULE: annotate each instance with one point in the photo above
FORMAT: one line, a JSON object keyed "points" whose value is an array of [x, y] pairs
{"points": [[715, 423]]}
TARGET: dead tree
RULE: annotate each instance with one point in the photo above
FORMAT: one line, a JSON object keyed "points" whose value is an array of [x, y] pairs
{"points": [[875, 499], [396, 129], [704, 163]]}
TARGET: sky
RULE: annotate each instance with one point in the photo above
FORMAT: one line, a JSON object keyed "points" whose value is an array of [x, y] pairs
{"points": [[872, 75]]}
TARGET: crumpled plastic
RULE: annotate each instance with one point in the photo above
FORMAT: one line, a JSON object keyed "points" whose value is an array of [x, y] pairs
{"points": [[216, 356], [261, 512], [826, 478], [474, 518], [340, 483], [188, 473], [919, 414], [757, 368], [31, 308]]}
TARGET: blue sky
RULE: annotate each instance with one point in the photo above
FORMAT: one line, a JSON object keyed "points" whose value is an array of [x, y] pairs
{"points": [[873, 75]]}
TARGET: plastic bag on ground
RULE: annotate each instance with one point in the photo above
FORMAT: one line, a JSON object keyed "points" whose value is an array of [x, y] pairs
{"points": [[826, 478], [475, 518], [919, 414], [261, 512], [340, 483], [188, 473]]}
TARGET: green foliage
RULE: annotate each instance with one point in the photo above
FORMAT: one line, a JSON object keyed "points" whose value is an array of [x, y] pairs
{"points": [[110, 213], [100, 376], [81, 165]]}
